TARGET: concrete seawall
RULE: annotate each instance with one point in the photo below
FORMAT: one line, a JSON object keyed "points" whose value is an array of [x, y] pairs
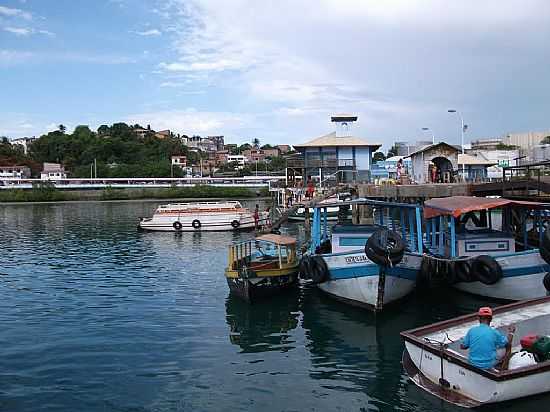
{"points": [[407, 193]]}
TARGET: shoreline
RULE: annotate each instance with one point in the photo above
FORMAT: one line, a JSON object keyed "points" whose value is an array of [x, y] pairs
{"points": [[53, 195], [177, 199]]}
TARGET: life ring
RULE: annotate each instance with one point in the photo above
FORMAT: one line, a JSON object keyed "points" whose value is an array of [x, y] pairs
{"points": [[473, 217], [486, 270], [235, 224], [546, 282], [319, 269], [196, 224], [177, 225]]}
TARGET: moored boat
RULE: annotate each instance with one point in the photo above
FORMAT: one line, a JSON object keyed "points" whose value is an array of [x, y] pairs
{"points": [[262, 266], [333, 212], [210, 216], [435, 362], [366, 265], [498, 248]]}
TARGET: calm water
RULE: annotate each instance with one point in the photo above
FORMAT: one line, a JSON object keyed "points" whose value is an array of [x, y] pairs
{"points": [[96, 316]]}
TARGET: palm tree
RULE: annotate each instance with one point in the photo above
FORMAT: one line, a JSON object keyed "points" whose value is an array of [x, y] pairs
{"points": [[256, 143]]}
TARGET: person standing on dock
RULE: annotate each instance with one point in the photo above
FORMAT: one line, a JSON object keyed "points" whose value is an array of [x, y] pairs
{"points": [[310, 189], [256, 216]]}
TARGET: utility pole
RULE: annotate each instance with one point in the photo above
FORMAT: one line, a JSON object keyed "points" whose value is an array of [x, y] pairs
{"points": [[95, 168]]}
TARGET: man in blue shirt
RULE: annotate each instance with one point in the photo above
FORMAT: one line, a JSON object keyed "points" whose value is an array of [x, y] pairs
{"points": [[483, 342]]}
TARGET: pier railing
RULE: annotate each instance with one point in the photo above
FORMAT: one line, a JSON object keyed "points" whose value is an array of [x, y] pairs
{"points": [[142, 182]]}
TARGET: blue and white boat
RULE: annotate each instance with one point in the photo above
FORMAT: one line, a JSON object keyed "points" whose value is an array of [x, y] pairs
{"points": [[343, 265], [498, 248]]}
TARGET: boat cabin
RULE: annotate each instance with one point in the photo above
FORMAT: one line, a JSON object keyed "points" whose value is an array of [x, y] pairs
{"points": [[460, 226], [262, 255], [403, 218]]}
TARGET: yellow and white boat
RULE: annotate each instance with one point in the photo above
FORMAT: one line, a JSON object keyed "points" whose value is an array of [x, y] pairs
{"points": [[262, 266]]}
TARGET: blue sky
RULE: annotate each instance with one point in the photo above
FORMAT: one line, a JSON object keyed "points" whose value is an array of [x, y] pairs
{"points": [[276, 70]]}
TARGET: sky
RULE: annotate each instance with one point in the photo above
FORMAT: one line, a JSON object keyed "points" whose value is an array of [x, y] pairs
{"points": [[277, 70]]}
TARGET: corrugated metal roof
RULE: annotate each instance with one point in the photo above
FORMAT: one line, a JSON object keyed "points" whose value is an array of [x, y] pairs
{"points": [[330, 140]]}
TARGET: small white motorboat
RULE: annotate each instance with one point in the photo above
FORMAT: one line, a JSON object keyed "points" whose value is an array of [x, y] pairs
{"points": [[211, 216], [435, 362]]}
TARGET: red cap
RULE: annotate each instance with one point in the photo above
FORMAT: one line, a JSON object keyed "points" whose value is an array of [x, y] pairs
{"points": [[485, 311]]}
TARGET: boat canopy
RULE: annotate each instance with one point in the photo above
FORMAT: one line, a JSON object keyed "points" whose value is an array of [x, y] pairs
{"points": [[277, 239], [458, 205]]}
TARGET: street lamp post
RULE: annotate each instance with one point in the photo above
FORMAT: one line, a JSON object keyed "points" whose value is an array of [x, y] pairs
{"points": [[461, 137], [427, 129]]}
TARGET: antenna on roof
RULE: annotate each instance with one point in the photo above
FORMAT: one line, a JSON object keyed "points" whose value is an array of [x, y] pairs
{"points": [[343, 124]]}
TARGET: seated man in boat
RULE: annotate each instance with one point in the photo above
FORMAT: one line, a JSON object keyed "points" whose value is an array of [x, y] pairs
{"points": [[487, 344]]}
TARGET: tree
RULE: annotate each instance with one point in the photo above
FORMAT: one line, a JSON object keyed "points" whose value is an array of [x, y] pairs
{"points": [[378, 157], [266, 146], [502, 146], [103, 130], [546, 140], [62, 128], [256, 143], [392, 151]]}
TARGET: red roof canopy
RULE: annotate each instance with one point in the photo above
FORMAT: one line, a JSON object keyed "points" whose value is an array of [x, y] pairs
{"points": [[459, 205]]}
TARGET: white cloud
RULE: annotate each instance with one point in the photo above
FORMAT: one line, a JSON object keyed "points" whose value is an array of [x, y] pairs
{"points": [[13, 57], [396, 63], [151, 32], [24, 31], [191, 121], [11, 12], [18, 31]]}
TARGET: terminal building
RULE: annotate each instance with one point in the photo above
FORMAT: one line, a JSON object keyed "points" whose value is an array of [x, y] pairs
{"points": [[338, 156]]}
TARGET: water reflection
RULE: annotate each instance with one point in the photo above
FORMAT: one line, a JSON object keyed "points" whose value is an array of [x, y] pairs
{"points": [[263, 326]]}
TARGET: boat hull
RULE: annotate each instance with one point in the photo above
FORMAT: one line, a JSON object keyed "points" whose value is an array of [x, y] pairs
{"points": [[212, 222], [468, 388], [522, 278], [355, 280], [260, 288]]}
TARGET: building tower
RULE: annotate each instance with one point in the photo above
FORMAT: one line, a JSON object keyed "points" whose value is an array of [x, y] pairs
{"points": [[343, 124]]}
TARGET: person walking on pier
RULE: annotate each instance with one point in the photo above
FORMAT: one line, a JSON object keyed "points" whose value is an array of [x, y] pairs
{"points": [[256, 216]]}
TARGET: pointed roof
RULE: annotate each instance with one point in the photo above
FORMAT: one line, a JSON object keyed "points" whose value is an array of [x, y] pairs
{"points": [[433, 146], [330, 140]]}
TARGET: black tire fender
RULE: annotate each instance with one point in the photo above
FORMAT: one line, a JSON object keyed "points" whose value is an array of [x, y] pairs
{"points": [[546, 282], [463, 270], [544, 247], [305, 267], [177, 225], [319, 269], [423, 277], [196, 224], [450, 272], [386, 242], [486, 270], [385, 247], [235, 224]]}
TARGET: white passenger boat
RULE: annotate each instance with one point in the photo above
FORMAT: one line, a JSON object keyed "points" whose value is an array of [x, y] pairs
{"points": [[211, 216], [497, 248], [349, 269], [434, 361]]}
